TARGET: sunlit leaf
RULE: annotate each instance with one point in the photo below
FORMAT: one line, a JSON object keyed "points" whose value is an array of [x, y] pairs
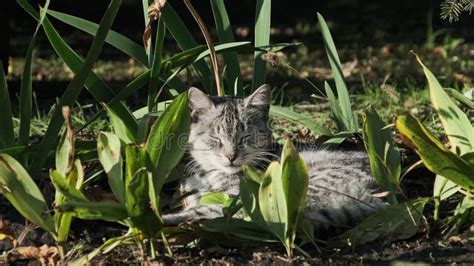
{"points": [[110, 157], [20, 189], [383, 153], [436, 157]]}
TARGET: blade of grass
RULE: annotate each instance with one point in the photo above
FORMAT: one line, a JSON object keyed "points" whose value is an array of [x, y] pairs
{"points": [[7, 137], [185, 41], [96, 86], [156, 64], [26, 90], [342, 92], [300, 119], [262, 37], [75, 86], [146, 21], [460, 97], [113, 38], [224, 32]]}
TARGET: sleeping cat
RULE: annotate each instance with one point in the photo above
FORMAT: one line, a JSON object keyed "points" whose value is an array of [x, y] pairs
{"points": [[229, 132]]}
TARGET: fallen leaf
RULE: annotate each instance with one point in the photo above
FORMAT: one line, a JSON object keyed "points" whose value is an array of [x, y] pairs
{"points": [[45, 254]]}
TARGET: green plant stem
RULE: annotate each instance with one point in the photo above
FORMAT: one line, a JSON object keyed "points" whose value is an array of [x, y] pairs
{"points": [[437, 203]]}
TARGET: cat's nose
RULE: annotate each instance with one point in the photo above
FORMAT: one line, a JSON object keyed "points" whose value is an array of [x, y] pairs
{"points": [[231, 157]]}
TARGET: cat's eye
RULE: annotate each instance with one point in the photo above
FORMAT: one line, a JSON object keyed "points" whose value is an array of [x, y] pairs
{"points": [[244, 138], [216, 139]]}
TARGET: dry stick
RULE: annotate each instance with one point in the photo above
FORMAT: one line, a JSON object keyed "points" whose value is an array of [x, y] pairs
{"points": [[210, 45]]}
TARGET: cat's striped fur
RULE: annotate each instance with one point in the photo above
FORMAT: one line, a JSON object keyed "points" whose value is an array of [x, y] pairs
{"points": [[227, 133]]}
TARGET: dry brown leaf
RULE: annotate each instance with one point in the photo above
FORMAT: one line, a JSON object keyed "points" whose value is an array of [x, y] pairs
{"points": [[45, 254], [154, 12], [462, 78]]}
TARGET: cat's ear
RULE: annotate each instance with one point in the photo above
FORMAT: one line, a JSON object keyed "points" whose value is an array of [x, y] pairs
{"points": [[198, 100], [260, 97]]}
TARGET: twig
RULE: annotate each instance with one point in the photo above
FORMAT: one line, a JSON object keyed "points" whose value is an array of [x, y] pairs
{"points": [[210, 45]]}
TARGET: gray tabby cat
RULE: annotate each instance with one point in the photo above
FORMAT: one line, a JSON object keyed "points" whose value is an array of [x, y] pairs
{"points": [[229, 132]]}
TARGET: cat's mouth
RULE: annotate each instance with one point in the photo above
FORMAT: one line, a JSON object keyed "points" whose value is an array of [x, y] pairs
{"points": [[232, 168]]}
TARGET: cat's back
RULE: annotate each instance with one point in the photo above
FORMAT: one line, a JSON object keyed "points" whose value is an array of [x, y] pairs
{"points": [[338, 178]]}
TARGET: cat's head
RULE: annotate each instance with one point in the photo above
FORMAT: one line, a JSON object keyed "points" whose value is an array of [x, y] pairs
{"points": [[229, 132]]}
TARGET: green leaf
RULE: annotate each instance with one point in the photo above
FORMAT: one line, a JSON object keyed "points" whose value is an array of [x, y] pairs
{"points": [[168, 138], [295, 180], [137, 199], [7, 137], [113, 38], [399, 221], [272, 202], [249, 195], [214, 198], [383, 153], [156, 64], [300, 119], [26, 90], [185, 41], [96, 86], [75, 177], [127, 133], [106, 211], [65, 151], [436, 157], [109, 150], [237, 228], [108, 245], [455, 122], [18, 187], [263, 10], [461, 98], [68, 190], [335, 108], [444, 188], [74, 88], [224, 32], [350, 120]]}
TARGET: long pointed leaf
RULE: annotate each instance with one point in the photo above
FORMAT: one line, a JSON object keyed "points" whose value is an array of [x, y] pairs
{"points": [[299, 118], [262, 37], [7, 137], [458, 128], [342, 92], [185, 41], [383, 153], [20, 189], [75, 86], [168, 138], [156, 64], [114, 38], [224, 32], [26, 91], [434, 154], [109, 148]]}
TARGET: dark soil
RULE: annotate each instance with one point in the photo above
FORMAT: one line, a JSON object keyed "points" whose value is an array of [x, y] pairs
{"points": [[421, 248]]}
